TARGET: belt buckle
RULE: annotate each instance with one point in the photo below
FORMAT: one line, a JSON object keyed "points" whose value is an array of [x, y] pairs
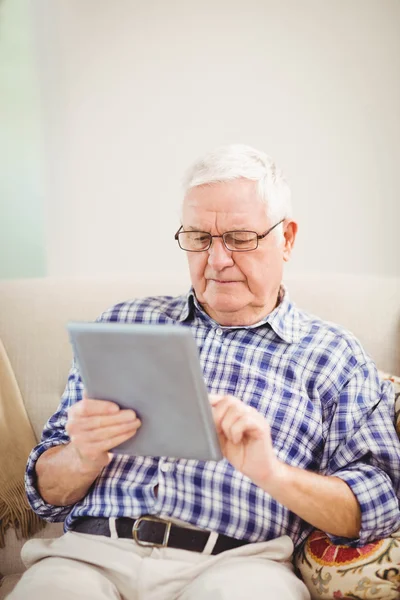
{"points": [[135, 529]]}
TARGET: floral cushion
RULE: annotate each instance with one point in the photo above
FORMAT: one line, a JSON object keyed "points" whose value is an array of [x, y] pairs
{"points": [[332, 571], [371, 572]]}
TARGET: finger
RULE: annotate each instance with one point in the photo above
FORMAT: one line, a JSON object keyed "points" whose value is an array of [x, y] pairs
{"points": [[231, 415], [115, 441], [106, 433], [90, 448], [215, 398], [84, 436], [89, 407], [80, 423], [220, 409], [247, 425]]}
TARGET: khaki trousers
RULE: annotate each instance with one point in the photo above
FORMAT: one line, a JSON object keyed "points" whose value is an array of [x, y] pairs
{"points": [[80, 566]]}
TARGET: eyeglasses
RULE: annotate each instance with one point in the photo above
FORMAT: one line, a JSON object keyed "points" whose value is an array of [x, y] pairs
{"points": [[234, 241]]}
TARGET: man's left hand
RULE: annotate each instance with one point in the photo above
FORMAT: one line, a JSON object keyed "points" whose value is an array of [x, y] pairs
{"points": [[245, 438]]}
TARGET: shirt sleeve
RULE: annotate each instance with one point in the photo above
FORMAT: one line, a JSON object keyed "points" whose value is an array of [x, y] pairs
{"points": [[362, 448], [54, 434]]}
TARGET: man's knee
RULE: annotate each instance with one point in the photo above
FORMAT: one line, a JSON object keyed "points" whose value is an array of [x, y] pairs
{"points": [[62, 579], [257, 579]]}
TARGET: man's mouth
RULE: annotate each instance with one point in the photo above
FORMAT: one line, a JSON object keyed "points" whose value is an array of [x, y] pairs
{"points": [[224, 280]]}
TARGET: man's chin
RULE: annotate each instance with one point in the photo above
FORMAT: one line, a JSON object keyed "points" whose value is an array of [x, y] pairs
{"points": [[224, 304]]}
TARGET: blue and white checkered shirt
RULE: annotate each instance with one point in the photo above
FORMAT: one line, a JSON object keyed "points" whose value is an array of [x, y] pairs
{"points": [[321, 394]]}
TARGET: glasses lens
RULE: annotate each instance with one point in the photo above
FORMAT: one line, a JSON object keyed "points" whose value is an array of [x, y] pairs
{"points": [[194, 241], [240, 240]]}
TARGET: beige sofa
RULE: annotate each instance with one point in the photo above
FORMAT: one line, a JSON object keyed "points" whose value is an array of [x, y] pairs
{"points": [[33, 314]]}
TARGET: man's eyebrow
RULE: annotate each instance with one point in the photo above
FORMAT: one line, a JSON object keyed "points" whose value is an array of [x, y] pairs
{"points": [[233, 228]]}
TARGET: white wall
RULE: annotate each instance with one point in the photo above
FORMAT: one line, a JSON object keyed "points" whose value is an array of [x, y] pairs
{"points": [[22, 251], [134, 91]]}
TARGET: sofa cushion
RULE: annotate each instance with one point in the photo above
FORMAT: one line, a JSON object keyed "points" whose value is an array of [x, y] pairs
{"points": [[10, 556], [8, 583], [334, 571]]}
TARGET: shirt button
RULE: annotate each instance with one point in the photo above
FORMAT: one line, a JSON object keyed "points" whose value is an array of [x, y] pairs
{"points": [[165, 468], [218, 331]]}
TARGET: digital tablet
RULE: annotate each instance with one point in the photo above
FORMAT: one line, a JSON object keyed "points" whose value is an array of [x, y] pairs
{"points": [[155, 370]]}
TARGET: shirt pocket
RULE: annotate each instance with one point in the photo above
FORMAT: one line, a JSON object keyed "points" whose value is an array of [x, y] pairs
{"points": [[295, 420]]}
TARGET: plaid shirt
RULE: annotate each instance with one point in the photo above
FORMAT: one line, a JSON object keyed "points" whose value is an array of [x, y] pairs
{"points": [[321, 394]]}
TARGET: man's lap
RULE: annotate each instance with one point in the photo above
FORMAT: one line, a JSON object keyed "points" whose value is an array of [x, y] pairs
{"points": [[88, 566]]}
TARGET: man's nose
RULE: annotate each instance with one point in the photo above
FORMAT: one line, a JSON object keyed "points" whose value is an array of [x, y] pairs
{"points": [[218, 255]]}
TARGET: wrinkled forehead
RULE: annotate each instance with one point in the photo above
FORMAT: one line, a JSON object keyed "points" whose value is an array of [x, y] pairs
{"points": [[236, 204]]}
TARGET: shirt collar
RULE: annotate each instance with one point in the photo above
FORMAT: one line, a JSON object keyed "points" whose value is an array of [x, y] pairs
{"points": [[187, 306], [284, 320]]}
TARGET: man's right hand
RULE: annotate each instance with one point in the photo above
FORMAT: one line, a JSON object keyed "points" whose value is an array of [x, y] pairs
{"points": [[97, 426]]}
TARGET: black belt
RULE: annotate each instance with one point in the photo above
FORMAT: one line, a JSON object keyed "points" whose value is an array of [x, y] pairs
{"points": [[152, 531]]}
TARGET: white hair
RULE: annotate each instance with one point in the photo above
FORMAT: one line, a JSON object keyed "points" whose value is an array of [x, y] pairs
{"points": [[235, 161]]}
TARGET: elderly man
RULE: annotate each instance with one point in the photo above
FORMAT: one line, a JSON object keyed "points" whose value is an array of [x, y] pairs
{"points": [[305, 426]]}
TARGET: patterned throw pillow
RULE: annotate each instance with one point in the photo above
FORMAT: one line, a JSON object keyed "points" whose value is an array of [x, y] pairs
{"points": [[332, 571], [371, 572]]}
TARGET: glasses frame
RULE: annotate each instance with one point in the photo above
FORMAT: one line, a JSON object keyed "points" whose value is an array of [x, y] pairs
{"points": [[259, 236]]}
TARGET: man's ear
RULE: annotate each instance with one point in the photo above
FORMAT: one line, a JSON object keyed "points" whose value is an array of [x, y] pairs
{"points": [[289, 231]]}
